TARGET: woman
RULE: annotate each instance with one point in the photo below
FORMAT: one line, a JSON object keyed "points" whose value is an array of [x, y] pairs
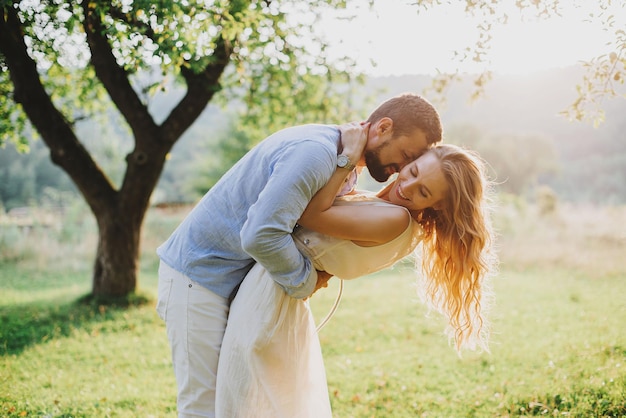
{"points": [[270, 362]]}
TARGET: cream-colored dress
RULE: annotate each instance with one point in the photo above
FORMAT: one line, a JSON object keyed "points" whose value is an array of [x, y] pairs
{"points": [[271, 363]]}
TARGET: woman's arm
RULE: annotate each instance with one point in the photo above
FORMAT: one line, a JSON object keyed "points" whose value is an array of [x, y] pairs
{"points": [[364, 224], [368, 225]]}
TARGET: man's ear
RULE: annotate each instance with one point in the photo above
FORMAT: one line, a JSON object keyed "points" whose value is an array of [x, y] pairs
{"points": [[384, 126]]}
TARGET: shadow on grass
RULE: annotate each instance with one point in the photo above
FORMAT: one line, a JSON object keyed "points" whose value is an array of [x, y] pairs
{"points": [[23, 325]]}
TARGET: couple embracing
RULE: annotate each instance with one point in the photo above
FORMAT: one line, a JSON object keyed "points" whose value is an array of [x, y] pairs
{"points": [[236, 274]]}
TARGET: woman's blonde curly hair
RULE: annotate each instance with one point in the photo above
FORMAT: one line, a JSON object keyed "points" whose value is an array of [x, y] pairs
{"points": [[457, 257]]}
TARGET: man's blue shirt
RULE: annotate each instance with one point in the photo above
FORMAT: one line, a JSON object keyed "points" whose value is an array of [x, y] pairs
{"points": [[248, 216]]}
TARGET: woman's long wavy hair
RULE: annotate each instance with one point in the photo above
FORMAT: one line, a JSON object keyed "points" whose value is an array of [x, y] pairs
{"points": [[457, 258]]}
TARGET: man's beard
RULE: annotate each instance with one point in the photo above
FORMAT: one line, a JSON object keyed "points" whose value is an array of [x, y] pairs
{"points": [[376, 169]]}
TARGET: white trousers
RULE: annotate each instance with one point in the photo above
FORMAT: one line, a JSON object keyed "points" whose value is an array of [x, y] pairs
{"points": [[195, 319]]}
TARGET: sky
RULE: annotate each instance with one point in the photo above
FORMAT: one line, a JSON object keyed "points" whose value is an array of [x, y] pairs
{"points": [[402, 42]]}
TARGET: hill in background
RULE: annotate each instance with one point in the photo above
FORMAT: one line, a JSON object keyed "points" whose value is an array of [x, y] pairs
{"points": [[586, 164], [591, 162]]}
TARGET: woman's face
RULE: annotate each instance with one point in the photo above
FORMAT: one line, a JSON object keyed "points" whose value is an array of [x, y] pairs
{"points": [[420, 184]]}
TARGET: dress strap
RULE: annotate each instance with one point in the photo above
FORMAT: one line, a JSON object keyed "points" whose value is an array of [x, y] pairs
{"points": [[333, 309]]}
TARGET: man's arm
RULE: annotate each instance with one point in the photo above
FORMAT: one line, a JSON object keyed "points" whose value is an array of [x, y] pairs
{"points": [[297, 174]]}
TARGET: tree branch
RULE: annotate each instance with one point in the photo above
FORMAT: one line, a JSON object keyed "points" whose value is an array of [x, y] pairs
{"points": [[116, 13], [200, 89], [113, 77], [65, 148]]}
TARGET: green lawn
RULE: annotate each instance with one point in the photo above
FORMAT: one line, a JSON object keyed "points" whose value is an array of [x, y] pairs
{"points": [[558, 345]]}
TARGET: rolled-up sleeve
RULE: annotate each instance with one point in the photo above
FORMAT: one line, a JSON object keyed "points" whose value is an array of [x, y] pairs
{"points": [[297, 173]]}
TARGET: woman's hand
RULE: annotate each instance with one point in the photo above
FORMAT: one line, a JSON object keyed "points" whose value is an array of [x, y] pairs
{"points": [[353, 138]]}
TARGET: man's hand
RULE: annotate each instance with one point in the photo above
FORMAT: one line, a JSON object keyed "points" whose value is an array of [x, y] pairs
{"points": [[322, 280], [353, 138]]}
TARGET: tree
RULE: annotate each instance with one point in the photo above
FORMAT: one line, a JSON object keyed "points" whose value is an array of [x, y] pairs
{"points": [[66, 62]]}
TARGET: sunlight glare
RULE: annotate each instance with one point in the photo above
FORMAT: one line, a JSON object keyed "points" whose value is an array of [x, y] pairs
{"points": [[399, 41]]}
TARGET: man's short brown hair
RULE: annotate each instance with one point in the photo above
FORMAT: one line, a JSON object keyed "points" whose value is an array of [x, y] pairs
{"points": [[409, 112]]}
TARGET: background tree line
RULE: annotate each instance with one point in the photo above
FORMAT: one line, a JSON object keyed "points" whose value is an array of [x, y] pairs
{"points": [[71, 69], [525, 141]]}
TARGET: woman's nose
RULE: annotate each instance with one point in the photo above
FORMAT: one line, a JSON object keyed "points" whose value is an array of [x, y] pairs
{"points": [[409, 183]]}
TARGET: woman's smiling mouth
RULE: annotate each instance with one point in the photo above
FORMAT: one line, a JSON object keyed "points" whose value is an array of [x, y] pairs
{"points": [[401, 193]]}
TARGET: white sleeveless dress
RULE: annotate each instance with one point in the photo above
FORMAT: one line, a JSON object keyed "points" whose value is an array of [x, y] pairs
{"points": [[271, 363]]}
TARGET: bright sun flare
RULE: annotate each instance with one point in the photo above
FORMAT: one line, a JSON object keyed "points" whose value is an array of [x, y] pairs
{"points": [[400, 41]]}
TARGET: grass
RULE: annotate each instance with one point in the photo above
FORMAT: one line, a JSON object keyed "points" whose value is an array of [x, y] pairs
{"points": [[558, 346], [552, 349]]}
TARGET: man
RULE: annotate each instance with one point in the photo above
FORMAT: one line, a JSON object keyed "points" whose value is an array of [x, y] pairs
{"points": [[248, 217]]}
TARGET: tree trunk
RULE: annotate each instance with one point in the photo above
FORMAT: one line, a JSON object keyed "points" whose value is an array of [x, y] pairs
{"points": [[117, 256], [120, 218]]}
